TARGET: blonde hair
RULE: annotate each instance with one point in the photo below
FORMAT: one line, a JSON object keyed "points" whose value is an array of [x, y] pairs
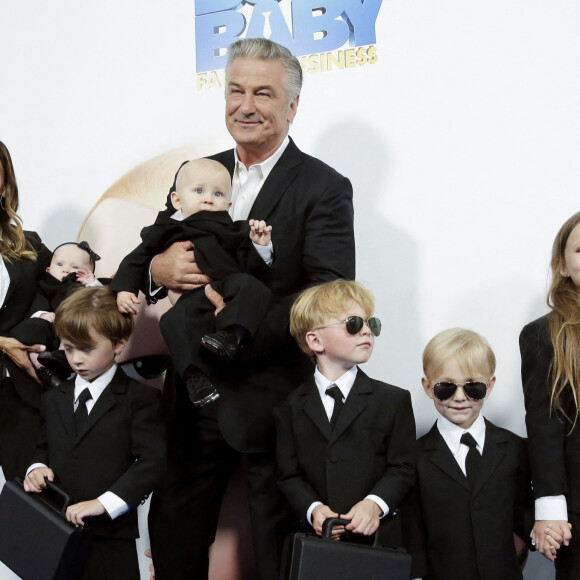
{"points": [[564, 321], [317, 304], [93, 308], [13, 243], [471, 350]]}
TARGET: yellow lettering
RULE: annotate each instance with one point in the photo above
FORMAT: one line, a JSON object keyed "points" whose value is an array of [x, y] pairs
{"points": [[332, 59], [313, 64], [372, 54], [201, 80], [350, 58], [213, 81], [361, 55]]}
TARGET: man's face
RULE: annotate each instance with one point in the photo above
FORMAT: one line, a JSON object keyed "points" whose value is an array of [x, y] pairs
{"points": [[258, 115]]}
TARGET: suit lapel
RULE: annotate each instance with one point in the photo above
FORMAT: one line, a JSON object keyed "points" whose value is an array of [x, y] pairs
{"points": [[441, 456], [493, 455], [314, 408], [105, 402], [277, 182], [354, 405], [65, 405]]}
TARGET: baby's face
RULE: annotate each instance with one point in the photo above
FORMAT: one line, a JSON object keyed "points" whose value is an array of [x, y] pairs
{"points": [[67, 259], [202, 185]]}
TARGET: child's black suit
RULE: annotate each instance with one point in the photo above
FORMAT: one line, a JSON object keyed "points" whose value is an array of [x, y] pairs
{"points": [[370, 451], [462, 533], [223, 250], [120, 449]]}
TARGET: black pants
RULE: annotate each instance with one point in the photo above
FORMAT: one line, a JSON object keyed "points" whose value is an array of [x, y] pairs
{"points": [[112, 559], [568, 557], [184, 510], [19, 428]]}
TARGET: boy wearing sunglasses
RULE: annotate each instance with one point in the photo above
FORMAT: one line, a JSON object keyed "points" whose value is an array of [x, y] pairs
{"points": [[345, 442], [473, 484]]}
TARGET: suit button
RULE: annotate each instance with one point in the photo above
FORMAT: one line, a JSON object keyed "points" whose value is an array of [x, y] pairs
{"points": [[476, 505]]}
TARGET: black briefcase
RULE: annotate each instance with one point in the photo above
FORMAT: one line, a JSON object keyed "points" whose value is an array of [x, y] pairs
{"points": [[320, 558], [36, 540]]}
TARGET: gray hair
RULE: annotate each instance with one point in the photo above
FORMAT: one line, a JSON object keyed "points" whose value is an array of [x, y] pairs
{"points": [[265, 49]]}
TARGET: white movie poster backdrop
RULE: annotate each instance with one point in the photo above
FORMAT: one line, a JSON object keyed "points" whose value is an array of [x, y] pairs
{"points": [[457, 122]]}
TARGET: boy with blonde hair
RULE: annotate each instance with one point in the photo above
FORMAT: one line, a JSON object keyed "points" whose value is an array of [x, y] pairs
{"points": [[345, 442], [473, 485]]}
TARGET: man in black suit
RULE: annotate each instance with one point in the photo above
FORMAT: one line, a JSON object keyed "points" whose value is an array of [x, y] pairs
{"points": [[309, 206]]}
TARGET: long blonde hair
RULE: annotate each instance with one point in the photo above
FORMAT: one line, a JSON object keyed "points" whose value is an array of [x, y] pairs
{"points": [[564, 300], [13, 244]]}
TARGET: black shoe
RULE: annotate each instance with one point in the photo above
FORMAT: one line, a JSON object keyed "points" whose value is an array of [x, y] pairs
{"points": [[200, 390], [48, 379], [56, 361], [222, 344]]}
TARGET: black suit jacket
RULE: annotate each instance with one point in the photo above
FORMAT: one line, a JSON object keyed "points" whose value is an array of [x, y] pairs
{"points": [[460, 533], [554, 446], [309, 206], [24, 276], [370, 451], [120, 449]]}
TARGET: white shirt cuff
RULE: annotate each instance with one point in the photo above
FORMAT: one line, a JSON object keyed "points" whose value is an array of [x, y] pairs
{"points": [[95, 282], [310, 510], [380, 503], [152, 292], [266, 252], [38, 313], [114, 505], [34, 466], [551, 507]]}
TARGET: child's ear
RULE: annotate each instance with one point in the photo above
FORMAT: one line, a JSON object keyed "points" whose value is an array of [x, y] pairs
{"points": [[563, 269], [229, 205], [120, 346], [427, 388], [490, 386], [175, 201], [314, 342]]}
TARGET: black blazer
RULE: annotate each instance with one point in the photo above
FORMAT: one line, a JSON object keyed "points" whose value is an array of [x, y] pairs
{"points": [[553, 445], [370, 451], [309, 206], [24, 276], [120, 449], [455, 532]]}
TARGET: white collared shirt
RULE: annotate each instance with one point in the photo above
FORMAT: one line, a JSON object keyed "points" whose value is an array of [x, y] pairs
{"points": [[452, 433], [248, 181]]}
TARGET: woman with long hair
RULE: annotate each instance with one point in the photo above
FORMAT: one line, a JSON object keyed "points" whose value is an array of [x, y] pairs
{"points": [[23, 258], [550, 349]]}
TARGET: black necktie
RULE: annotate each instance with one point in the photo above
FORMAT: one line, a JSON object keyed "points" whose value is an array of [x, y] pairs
{"points": [[82, 414], [473, 458], [336, 394]]}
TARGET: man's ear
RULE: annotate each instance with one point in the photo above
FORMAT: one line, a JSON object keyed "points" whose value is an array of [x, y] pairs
{"points": [[427, 388], [120, 345], [314, 342], [175, 201], [292, 108]]}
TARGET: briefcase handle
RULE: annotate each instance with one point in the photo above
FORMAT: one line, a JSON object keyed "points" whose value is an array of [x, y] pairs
{"points": [[54, 492], [328, 524]]}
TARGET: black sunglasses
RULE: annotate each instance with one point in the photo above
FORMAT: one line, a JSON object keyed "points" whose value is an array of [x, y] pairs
{"points": [[474, 390], [355, 323]]}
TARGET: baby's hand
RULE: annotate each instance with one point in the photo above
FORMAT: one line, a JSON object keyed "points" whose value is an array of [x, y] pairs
{"points": [[364, 517], [48, 316], [260, 233], [85, 276], [34, 482], [126, 302]]}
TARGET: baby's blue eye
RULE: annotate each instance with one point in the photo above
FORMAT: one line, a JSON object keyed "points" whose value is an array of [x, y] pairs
{"points": [[219, 194], [199, 190]]}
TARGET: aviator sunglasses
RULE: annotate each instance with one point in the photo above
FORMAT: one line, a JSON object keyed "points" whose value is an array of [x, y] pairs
{"points": [[474, 390], [354, 324]]}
